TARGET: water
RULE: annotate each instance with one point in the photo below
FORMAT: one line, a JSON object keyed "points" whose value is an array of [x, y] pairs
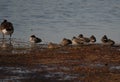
{"points": [[52, 20], [47, 73], [42, 72]]}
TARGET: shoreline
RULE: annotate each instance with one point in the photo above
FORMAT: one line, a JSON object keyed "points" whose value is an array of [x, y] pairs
{"points": [[96, 50], [85, 63]]}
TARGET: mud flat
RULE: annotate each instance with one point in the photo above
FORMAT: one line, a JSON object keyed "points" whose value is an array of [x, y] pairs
{"points": [[84, 63]]}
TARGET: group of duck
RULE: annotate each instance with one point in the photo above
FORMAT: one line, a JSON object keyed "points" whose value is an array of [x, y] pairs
{"points": [[7, 28], [81, 40]]}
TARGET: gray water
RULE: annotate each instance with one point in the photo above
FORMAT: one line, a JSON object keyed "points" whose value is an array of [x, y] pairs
{"points": [[47, 73], [52, 20]]}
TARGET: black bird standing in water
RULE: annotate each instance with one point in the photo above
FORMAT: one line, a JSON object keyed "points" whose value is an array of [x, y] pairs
{"points": [[6, 28]]}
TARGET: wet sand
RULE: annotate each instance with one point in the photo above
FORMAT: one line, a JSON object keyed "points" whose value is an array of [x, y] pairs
{"points": [[83, 63]]}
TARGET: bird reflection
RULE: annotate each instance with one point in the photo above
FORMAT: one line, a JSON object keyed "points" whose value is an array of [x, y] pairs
{"points": [[6, 47]]}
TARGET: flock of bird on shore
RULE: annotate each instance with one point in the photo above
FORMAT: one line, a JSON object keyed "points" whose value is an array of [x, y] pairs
{"points": [[7, 28]]}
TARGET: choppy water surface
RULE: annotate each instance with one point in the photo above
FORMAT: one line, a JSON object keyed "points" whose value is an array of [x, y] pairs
{"points": [[52, 20]]}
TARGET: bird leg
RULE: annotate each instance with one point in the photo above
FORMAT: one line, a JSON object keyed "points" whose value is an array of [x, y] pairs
{"points": [[10, 37], [3, 36]]}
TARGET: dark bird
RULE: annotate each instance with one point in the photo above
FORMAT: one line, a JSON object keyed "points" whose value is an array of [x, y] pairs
{"points": [[104, 39], [34, 39], [6, 28], [107, 41], [92, 39]]}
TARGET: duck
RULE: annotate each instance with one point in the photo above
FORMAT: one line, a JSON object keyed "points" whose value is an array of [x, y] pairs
{"points": [[110, 42], [92, 39], [83, 39], [6, 28], [104, 39], [53, 45], [34, 39], [65, 42], [76, 41], [107, 41]]}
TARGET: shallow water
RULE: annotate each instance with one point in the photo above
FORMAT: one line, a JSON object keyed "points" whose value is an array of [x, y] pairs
{"points": [[14, 46], [52, 20], [47, 72], [40, 72]]}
